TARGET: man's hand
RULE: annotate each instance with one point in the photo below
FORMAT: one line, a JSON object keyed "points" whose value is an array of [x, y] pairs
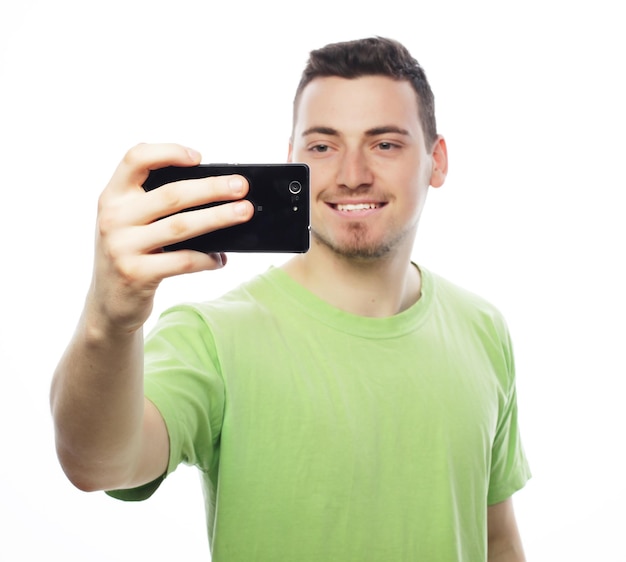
{"points": [[133, 226]]}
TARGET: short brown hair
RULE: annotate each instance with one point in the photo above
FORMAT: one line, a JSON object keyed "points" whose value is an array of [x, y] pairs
{"points": [[377, 56]]}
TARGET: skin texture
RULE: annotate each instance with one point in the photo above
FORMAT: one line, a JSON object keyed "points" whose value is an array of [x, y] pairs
{"points": [[371, 172]]}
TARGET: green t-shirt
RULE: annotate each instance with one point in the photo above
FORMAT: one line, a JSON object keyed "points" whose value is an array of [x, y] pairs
{"points": [[322, 435]]}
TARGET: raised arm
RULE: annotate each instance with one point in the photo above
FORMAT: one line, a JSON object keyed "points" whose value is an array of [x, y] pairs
{"points": [[107, 435]]}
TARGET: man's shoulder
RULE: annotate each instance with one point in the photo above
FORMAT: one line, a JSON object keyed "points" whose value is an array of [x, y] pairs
{"points": [[451, 296]]}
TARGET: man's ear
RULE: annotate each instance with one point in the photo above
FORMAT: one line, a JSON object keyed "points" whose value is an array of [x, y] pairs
{"points": [[440, 162]]}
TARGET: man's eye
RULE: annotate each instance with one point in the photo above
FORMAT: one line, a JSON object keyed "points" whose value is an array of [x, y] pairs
{"points": [[386, 145], [320, 148]]}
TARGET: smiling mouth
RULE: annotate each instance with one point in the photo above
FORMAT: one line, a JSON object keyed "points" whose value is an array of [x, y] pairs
{"points": [[352, 207]]}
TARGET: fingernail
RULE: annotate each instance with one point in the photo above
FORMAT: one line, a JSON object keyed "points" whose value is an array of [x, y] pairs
{"points": [[241, 208], [193, 154], [236, 185]]}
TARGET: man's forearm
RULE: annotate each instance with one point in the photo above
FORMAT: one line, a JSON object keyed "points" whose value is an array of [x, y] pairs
{"points": [[97, 405]]}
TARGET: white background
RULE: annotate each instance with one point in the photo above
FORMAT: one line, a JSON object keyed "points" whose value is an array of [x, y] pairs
{"points": [[530, 97]]}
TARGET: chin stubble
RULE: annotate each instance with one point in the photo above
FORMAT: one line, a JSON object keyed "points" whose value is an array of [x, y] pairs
{"points": [[357, 248]]}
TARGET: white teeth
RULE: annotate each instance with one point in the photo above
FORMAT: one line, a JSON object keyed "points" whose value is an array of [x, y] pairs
{"points": [[357, 207]]}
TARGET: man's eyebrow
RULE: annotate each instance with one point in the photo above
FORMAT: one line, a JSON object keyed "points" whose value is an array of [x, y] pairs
{"points": [[321, 131], [373, 132], [385, 130]]}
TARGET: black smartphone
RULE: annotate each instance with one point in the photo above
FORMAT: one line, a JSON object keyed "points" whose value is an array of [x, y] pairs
{"points": [[279, 194]]}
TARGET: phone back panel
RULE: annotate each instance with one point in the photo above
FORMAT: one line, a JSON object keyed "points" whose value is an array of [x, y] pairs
{"points": [[280, 194]]}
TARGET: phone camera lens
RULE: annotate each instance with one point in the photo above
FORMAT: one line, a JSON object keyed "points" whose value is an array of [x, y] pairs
{"points": [[295, 187]]}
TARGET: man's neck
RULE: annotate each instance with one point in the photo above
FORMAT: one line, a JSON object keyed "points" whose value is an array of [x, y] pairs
{"points": [[373, 288]]}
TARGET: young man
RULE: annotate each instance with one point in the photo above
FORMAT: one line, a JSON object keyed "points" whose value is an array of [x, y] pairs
{"points": [[349, 405]]}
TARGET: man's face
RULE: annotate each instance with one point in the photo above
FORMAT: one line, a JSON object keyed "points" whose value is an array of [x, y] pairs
{"points": [[370, 168]]}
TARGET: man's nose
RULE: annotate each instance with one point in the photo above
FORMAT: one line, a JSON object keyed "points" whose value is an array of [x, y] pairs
{"points": [[354, 170]]}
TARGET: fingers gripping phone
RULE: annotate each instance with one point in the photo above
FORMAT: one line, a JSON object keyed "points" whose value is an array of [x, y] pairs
{"points": [[279, 194]]}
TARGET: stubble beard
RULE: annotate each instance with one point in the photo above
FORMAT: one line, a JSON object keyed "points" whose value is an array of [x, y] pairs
{"points": [[356, 246]]}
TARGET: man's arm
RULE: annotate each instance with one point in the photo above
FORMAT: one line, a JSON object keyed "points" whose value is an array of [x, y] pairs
{"points": [[504, 542], [107, 435]]}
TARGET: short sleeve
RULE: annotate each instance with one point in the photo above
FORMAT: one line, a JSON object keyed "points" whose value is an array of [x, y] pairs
{"points": [[183, 380], [509, 467]]}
